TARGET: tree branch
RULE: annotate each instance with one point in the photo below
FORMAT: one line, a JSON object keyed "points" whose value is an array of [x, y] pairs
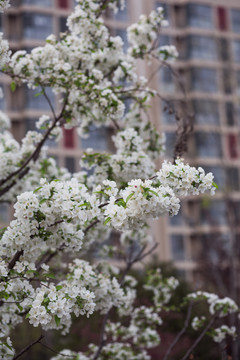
{"points": [[203, 333], [180, 334], [15, 259], [34, 156], [129, 265], [27, 348], [23, 170]]}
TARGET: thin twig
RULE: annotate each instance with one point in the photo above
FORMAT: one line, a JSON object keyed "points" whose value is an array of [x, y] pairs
{"points": [[129, 265], [15, 259], [23, 170], [205, 330], [180, 334], [49, 102], [56, 352], [33, 156], [90, 226], [28, 347]]}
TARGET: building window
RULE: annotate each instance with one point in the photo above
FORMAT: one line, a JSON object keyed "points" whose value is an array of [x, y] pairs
{"points": [[99, 139], [2, 99], [165, 40], [4, 213], [204, 79], [225, 178], [68, 138], [121, 15], [232, 179], [166, 80], [199, 16], [224, 49], [208, 145], [63, 4], [70, 164], [14, 27], [219, 175], [206, 112], [177, 220], [202, 47], [170, 143], [35, 100], [42, 3], [235, 19], [229, 113], [214, 214], [236, 51], [37, 26], [177, 247], [227, 81], [232, 146], [168, 115], [222, 18], [237, 74], [62, 24]]}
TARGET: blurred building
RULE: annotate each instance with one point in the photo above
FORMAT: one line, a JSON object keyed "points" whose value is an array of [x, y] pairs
{"points": [[207, 36]]}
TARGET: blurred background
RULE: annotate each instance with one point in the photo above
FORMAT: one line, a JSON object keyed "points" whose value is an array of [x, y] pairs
{"points": [[203, 84]]}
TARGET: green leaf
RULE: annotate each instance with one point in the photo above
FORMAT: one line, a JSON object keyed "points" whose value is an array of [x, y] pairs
{"points": [[27, 316], [215, 185], [36, 190], [42, 201], [51, 276], [59, 287], [40, 93], [100, 192], [28, 272], [8, 346], [129, 197], [154, 192], [107, 221], [13, 86], [57, 320], [121, 202], [84, 204], [20, 307]]}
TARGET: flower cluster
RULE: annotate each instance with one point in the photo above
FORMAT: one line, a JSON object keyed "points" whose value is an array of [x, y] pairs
{"points": [[140, 199], [6, 350], [130, 160], [222, 307], [153, 143], [62, 219], [162, 288], [184, 179], [4, 4], [84, 291], [220, 333], [4, 121], [142, 34], [54, 215], [198, 322], [167, 52], [16, 296], [4, 50]]}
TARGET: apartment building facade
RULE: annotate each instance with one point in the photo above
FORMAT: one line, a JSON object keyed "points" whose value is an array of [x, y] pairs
{"points": [[207, 36]]}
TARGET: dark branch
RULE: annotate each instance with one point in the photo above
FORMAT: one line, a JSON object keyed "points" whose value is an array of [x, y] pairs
{"points": [[203, 333], [15, 259], [129, 265], [180, 334], [28, 347]]}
